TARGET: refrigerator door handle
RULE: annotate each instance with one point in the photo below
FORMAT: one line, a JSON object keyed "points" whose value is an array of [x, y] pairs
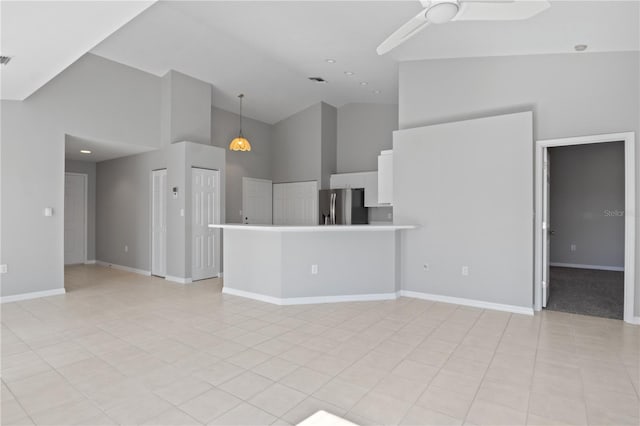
{"points": [[333, 208]]}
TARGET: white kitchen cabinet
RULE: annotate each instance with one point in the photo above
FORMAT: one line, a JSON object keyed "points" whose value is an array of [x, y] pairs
{"points": [[366, 180], [385, 178]]}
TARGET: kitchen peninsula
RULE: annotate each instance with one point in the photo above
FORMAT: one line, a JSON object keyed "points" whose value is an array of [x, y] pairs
{"points": [[289, 265]]}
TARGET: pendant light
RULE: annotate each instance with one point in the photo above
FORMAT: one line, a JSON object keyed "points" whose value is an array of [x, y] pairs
{"points": [[240, 143]]}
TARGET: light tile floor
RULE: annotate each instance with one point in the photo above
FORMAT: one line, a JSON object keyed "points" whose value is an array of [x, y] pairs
{"points": [[121, 348]]}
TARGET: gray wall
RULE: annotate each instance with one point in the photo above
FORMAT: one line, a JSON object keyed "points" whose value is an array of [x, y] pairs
{"points": [[93, 98], [255, 164], [89, 169], [186, 104], [473, 208], [363, 131], [329, 141], [587, 189], [297, 144], [570, 94], [124, 205]]}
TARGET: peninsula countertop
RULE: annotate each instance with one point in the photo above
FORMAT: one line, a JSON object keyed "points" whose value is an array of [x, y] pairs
{"points": [[316, 228]]}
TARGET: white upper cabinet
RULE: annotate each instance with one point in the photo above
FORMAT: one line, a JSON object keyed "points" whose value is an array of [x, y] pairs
{"points": [[366, 180], [385, 178]]}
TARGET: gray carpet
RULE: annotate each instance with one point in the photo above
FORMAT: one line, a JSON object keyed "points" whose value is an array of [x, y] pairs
{"points": [[587, 292]]}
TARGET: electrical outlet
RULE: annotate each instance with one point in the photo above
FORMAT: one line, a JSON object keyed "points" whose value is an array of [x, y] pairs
{"points": [[314, 269], [465, 271], [3, 269], [126, 249], [425, 267], [573, 247]]}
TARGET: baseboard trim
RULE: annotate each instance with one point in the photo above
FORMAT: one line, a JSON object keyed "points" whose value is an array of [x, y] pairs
{"points": [[467, 302], [178, 280], [32, 295], [90, 262], [220, 274], [634, 320], [123, 268], [309, 300], [580, 266]]}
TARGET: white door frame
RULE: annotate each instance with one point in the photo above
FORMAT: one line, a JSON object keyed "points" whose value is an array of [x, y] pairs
{"points": [[629, 206], [85, 176]]}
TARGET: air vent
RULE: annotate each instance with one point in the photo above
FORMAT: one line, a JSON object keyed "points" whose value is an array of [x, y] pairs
{"points": [[318, 79], [4, 60]]}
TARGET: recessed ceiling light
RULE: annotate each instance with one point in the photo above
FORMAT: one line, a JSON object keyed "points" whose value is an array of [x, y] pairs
{"points": [[330, 61], [376, 92], [363, 83], [349, 73], [580, 47], [85, 151]]}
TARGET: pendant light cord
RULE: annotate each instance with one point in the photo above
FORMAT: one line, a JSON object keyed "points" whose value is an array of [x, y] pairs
{"points": [[241, 96]]}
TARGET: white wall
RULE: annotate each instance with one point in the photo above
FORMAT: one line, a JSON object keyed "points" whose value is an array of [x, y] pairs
{"points": [[124, 205], [570, 94], [472, 207], [297, 146], [587, 189], [255, 164], [89, 169], [363, 131], [93, 98], [186, 105]]}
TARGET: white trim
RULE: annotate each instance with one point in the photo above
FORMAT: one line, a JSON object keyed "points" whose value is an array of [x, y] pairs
{"points": [[629, 207], [123, 268], [32, 295], [90, 262], [310, 300], [220, 274], [634, 320], [178, 280], [314, 228], [579, 266], [86, 211], [468, 302]]}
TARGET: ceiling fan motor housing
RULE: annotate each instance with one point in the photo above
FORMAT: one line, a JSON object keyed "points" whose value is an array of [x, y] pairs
{"points": [[440, 12]]}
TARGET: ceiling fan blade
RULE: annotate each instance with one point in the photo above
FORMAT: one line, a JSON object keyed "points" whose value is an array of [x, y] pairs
{"points": [[403, 33], [475, 10]]}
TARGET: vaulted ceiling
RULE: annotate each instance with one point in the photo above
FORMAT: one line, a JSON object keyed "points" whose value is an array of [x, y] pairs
{"points": [[268, 49]]}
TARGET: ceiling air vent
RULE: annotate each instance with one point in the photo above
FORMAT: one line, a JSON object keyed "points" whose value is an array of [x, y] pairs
{"points": [[317, 79], [4, 60]]}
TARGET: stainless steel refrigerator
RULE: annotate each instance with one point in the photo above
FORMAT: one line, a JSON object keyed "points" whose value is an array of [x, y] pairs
{"points": [[342, 207]]}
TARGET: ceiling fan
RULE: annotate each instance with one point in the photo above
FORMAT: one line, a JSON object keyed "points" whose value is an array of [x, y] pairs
{"points": [[442, 11]]}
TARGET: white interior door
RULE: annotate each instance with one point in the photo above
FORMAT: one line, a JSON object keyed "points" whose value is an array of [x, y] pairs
{"points": [[257, 201], [546, 230], [205, 195], [159, 223], [295, 203], [75, 218]]}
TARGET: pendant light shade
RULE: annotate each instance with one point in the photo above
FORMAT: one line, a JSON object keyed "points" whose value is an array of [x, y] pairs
{"points": [[240, 143]]}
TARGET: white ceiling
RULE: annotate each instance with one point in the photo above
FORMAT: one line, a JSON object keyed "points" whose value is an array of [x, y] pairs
{"points": [[45, 37], [267, 49], [100, 150]]}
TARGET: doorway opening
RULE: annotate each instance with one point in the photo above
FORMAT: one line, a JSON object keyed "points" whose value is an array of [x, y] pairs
{"points": [[585, 244], [586, 229]]}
